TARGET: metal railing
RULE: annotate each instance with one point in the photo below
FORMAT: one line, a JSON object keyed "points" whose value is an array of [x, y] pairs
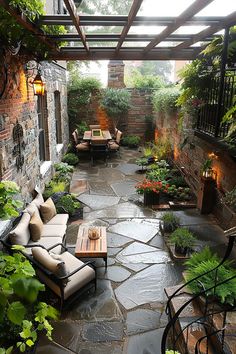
{"points": [[212, 111], [175, 336]]}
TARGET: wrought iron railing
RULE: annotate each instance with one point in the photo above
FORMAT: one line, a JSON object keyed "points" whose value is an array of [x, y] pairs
{"points": [[175, 336], [212, 111]]}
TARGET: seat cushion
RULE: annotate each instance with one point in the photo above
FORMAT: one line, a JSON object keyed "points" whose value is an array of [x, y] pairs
{"points": [[113, 146], [36, 227], [76, 281], [43, 257], [46, 242], [82, 146], [59, 219], [20, 235], [48, 210], [53, 231]]}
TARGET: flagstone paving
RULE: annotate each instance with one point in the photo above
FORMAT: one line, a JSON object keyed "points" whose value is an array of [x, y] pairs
{"points": [[126, 313]]}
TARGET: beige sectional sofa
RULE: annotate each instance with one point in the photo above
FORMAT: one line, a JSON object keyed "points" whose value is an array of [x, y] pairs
{"points": [[31, 231]]}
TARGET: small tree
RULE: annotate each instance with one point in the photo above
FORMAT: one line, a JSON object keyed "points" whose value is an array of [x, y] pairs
{"points": [[116, 103]]}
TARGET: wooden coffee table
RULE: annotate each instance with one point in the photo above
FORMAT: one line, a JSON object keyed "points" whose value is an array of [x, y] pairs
{"points": [[86, 248]]}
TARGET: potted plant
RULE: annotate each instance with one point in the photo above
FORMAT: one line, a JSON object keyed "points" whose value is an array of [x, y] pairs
{"points": [[151, 190], [81, 128], [9, 206], [183, 241], [143, 162], [70, 158], [22, 316], [170, 222], [68, 203], [132, 141]]}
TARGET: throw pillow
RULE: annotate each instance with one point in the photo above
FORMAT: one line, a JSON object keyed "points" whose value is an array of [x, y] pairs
{"points": [[43, 257], [38, 200], [21, 234], [48, 210], [32, 208], [36, 227], [61, 268]]}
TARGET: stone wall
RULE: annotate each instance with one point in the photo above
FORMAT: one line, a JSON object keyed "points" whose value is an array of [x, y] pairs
{"points": [[18, 104]]}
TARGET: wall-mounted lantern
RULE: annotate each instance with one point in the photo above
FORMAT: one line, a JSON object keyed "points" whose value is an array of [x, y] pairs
{"points": [[38, 85], [34, 78]]}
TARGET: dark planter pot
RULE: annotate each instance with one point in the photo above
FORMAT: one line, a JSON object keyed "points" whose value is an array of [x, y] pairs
{"points": [[181, 250], [151, 198], [78, 214], [167, 227]]}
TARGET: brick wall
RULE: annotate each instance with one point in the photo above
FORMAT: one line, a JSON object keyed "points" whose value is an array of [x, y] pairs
{"points": [[18, 104]]}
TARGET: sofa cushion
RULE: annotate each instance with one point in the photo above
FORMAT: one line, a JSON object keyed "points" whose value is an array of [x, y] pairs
{"points": [[32, 209], [20, 235], [36, 227], [62, 269], [53, 231], [38, 200], [46, 242], [59, 219], [48, 210], [43, 257]]}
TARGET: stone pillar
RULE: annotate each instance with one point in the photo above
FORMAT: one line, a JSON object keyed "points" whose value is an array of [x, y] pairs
{"points": [[116, 74]]}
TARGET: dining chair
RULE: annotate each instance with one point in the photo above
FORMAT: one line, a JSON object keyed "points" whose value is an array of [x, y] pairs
{"points": [[80, 145], [94, 126], [98, 147], [114, 145]]}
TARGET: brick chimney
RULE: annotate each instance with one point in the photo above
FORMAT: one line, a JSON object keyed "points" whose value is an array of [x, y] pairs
{"points": [[116, 74]]}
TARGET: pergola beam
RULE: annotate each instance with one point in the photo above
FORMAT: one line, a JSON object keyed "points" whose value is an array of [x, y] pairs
{"points": [[229, 20], [134, 53], [197, 6], [28, 25], [132, 14], [89, 20], [70, 5]]}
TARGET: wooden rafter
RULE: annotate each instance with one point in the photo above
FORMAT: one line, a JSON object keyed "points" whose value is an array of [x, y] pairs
{"points": [[70, 5], [186, 15], [132, 14], [27, 24], [228, 21]]}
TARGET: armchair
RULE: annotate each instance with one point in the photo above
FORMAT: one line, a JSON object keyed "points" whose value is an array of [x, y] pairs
{"points": [[64, 274]]}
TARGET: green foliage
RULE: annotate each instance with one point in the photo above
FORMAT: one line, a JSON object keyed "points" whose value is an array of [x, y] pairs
{"points": [[140, 81], [164, 100], [230, 199], [158, 174], [82, 127], [13, 34], [230, 118], [116, 103], [63, 167], [206, 165], [21, 315], [131, 140], [170, 221], [168, 351], [142, 161], [226, 293], [162, 148], [67, 204], [199, 257], [179, 193], [178, 181], [8, 205], [183, 238], [70, 158], [54, 187]]}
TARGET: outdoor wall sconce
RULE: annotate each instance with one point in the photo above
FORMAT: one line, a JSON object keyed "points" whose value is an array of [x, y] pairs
{"points": [[34, 78]]}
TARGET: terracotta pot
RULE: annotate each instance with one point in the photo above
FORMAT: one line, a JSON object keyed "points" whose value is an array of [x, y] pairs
{"points": [[151, 198]]}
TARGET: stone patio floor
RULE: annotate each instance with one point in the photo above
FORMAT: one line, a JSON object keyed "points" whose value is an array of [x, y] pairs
{"points": [[126, 314]]}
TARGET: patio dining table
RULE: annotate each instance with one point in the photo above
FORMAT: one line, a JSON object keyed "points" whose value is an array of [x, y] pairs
{"points": [[106, 135]]}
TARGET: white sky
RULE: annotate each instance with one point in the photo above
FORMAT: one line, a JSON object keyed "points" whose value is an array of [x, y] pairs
{"points": [[168, 8]]}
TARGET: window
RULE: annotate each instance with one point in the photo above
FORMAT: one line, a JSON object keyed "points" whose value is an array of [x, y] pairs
{"points": [[57, 101], [43, 128]]}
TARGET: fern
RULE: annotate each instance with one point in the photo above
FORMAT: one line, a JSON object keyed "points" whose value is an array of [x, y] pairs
{"points": [[197, 258]]}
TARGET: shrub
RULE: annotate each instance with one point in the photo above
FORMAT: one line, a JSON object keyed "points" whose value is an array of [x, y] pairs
{"points": [[182, 238], [8, 205], [82, 127], [54, 187], [67, 204], [170, 221], [70, 158], [164, 100], [131, 140], [178, 181], [147, 81], [157, 174], [63, 167], [230, 199]]}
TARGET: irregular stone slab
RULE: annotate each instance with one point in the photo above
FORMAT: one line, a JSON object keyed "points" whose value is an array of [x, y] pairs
{"points": [[208, 232], [113, 251], [137, 231], [128, 168], [193, 217], [78, 186], [100, 188], [47, 346], [145, 343], [115, 240], [96, 222], [101, 305], [102, 331], [154, 222], [110, 175], [117, 273], [142, 320], [97, 202], [136, 267], [123, 210], [71, 234], [124, 188], [99, 348], [111, 221], [157, 241], [140, 253], [147, 285], [66, 334]]}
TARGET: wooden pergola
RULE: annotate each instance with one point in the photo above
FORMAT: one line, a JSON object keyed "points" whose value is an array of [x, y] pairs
{"points": [[101, 43]]}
